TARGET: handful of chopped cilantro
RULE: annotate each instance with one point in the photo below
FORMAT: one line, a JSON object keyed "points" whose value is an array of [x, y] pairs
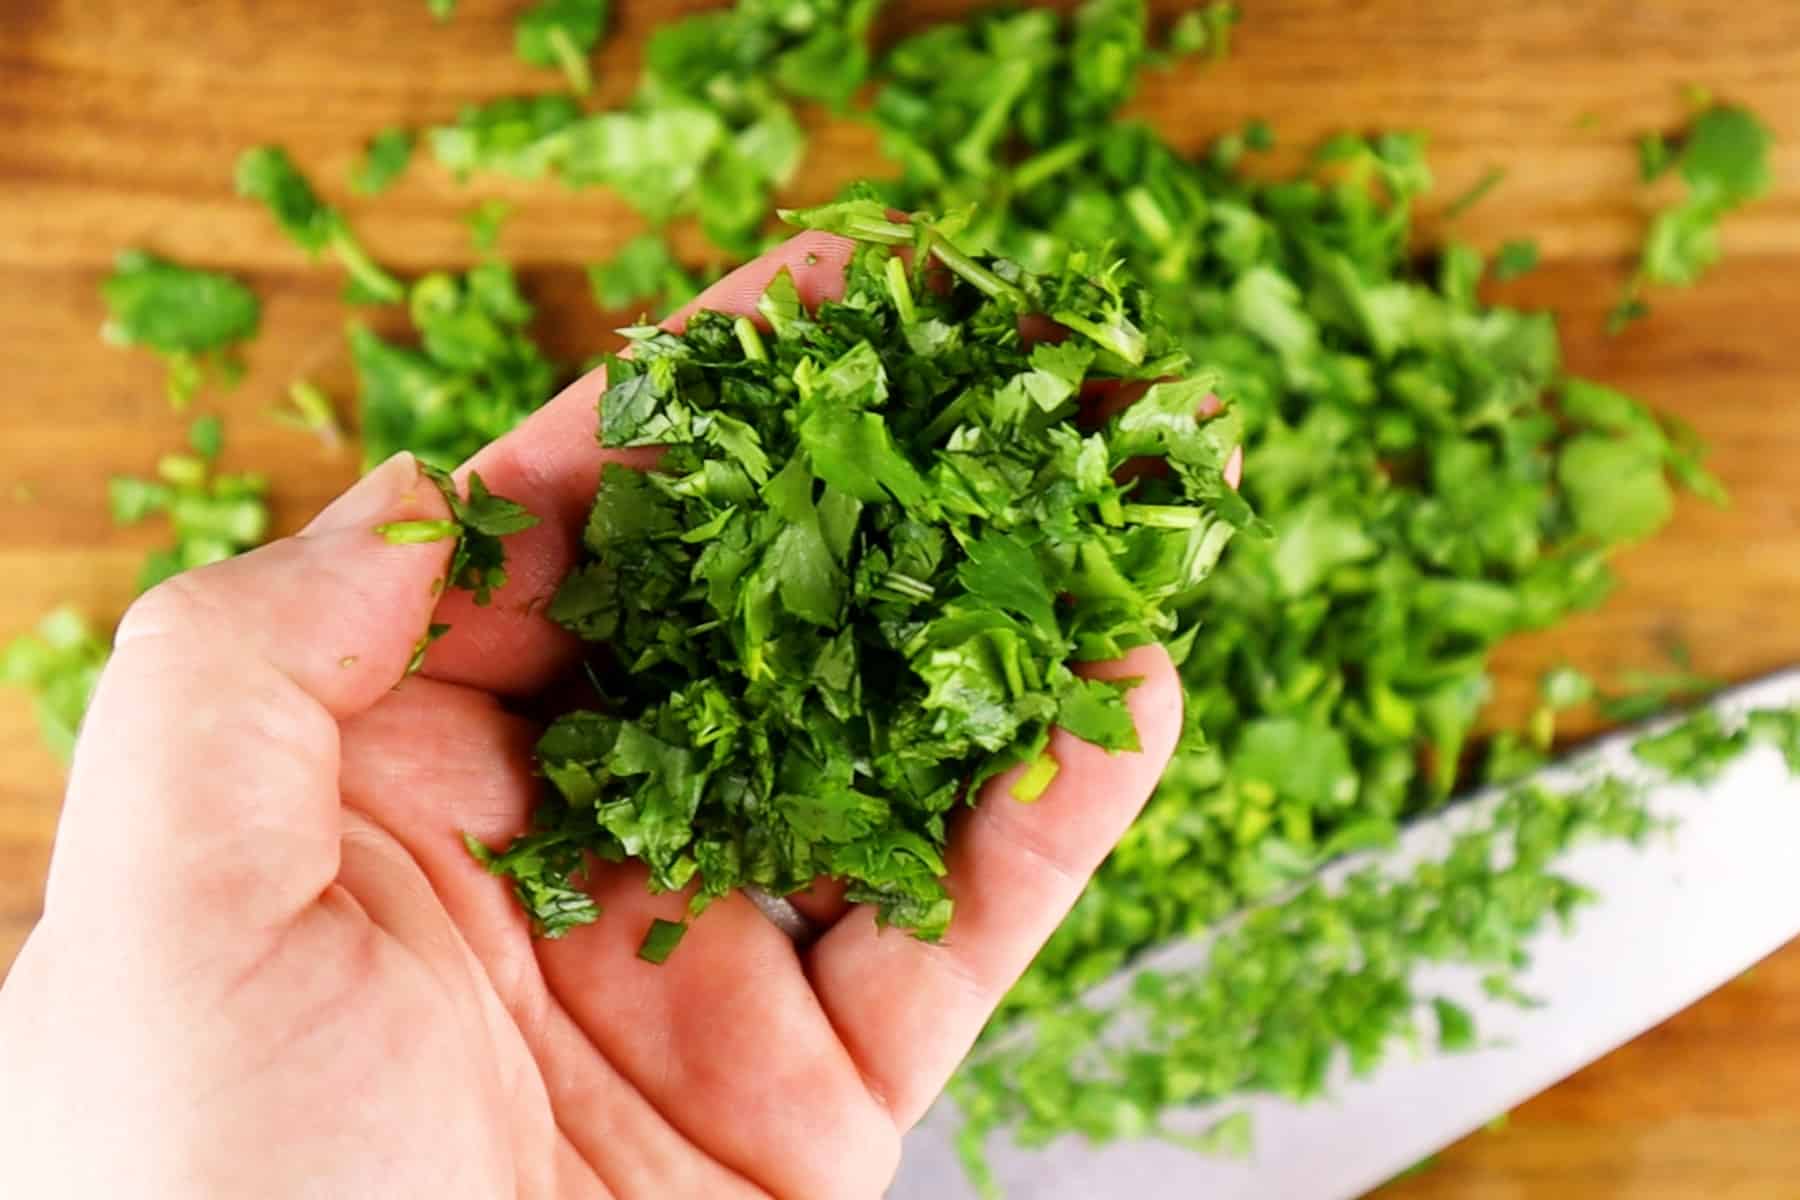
{"points": [[880, 538]]}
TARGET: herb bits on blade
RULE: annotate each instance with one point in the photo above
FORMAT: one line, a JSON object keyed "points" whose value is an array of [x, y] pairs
{"points": [[881, 537]]}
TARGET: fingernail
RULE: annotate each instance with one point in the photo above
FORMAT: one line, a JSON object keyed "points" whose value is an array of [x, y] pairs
{"points": [[371, 500]]}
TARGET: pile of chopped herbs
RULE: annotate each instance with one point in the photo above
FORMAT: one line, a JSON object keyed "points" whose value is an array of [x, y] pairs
{"points": [[854, 588], [1433, 480]]}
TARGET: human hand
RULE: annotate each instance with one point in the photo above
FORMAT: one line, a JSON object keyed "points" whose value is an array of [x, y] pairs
{"points": [[267, 966]]}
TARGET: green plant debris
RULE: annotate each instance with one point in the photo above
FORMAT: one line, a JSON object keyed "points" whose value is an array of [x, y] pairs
{"points": [[193, 319], [562, 34], [1723, 159], [213, 515], [58, 664], [474, 375], [477, 521], [384, 160], [485, 223], [266, 174], [643, 272]]}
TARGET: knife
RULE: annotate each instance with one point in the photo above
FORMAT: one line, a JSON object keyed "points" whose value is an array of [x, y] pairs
{"points": [[1674, 918]]}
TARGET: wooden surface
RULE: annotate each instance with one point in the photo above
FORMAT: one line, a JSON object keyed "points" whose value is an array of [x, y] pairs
{"points": [[120, 120]]}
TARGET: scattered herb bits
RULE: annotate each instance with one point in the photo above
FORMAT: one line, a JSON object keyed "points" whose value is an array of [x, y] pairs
{"points": [[880, 538], [192, 318]]}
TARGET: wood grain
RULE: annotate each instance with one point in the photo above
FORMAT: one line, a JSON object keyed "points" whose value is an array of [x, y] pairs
{"points": [[120, 119]]}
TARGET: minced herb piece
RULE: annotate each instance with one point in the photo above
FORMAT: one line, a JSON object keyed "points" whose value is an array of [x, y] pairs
{"points": [[524, 137], [1780, 728], [309, 409], [709, 132], [1724, 160], [561, 34], [1205, 29], [443, 10], [1643, 694], [1516, 258], [58, 664], [486, 221], [544, 871], [214, 516], [1655, 156], [1565, 687], [1695, 750], [661, 940], [475, 374], [192, 318], [268, 175], [384, 160], [879, 537], [477, 522], [644, 271], [1478, 191]]}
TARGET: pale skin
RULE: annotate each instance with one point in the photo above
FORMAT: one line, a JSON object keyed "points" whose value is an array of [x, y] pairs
{"points": [[267, 967]]}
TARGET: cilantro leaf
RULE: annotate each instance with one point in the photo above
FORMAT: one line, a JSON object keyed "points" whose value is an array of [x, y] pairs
{"points": [[189, 317], [474, 376], [485, 223], [644, 271], [1516, 258], [268, 175], [384, 160], [1724, 161], [213, 515], [478, 522], [59, 664], [561, 34]]}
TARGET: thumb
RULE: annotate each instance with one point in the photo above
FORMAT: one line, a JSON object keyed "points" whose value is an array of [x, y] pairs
{"points": [[205, 780]]}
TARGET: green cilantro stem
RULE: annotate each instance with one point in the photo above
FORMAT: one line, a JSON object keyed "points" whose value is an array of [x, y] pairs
{"points": [[572, 60], [1490, 179], [1041, 168], [750, 338], [368, 277], [900, 287], [413, 533], [984, 280]]}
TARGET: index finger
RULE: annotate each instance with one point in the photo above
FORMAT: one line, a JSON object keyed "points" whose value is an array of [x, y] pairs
{"points": [[551, 464]]}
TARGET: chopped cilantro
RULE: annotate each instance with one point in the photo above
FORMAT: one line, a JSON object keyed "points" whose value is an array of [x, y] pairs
{"points": [[59, 664], [644, 271], [878, 539], [1478, 191], [661, 940], [524, 136], [1205, 29], [213, 515], [192, 318], [486, 221], [1724, 161], [309, 409], [475, 374], [561, 34], [1516, 258], [478, 522], [268, 175], [384, 160]]}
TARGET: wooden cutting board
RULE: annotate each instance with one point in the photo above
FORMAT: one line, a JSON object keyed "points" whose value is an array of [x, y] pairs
{"points": [[119, 123]]}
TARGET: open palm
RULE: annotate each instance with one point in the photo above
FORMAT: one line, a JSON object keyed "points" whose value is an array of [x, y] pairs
{"points": [[267, 966]]}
